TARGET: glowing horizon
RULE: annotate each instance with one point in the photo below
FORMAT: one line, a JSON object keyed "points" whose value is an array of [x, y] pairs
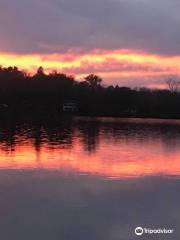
{"points": [[110, 64]]}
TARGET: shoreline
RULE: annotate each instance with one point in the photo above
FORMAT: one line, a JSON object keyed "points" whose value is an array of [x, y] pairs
{"points": [[15, 114]]}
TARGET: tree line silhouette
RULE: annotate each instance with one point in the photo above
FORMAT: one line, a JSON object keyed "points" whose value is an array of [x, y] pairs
{"points": [[44, 94]]}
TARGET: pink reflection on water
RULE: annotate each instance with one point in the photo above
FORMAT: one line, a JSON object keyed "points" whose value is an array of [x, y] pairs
{"points": [[115, 158]]}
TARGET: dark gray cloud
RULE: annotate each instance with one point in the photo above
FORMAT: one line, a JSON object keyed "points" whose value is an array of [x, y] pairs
{"points": [[44, 26]]}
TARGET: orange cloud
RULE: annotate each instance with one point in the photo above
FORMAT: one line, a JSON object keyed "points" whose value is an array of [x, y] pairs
{"points": [[110, 64]]}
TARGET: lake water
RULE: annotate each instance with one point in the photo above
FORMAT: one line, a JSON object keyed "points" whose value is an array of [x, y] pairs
{"points": [[89, 179]]}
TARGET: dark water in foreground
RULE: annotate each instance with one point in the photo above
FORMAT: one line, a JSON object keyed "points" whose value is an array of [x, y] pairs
{"points": [[89, 179]]}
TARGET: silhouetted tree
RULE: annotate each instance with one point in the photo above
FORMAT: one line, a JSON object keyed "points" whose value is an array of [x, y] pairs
{"points": [[44, 93], [93, 80], [40, 71], [173, 84]]}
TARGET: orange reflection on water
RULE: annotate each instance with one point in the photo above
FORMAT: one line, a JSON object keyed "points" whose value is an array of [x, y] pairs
{"points": [[116, 159]]}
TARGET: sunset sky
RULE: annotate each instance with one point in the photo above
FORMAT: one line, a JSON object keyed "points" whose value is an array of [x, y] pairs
{"points": [[127, 42]]}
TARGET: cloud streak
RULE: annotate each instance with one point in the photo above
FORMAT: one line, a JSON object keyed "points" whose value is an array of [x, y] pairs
{"points": [[114, 66], [44, 26], [119, 39]]}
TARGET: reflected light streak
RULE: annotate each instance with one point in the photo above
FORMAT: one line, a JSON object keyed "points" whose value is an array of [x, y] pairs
{"points": [[117, 161]]}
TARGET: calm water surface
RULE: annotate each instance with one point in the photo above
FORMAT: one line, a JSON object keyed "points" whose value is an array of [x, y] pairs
{"points": [[89, 179]]}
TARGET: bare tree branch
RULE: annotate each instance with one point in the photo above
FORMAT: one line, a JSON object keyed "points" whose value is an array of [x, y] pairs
{"points": [[173, 84]]}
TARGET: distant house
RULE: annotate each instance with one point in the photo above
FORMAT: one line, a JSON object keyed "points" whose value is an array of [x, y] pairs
{"points": [[70, 107]]}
